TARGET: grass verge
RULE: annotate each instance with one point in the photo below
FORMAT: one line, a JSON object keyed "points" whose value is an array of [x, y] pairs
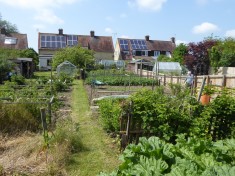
{"points": [[99, 152]]}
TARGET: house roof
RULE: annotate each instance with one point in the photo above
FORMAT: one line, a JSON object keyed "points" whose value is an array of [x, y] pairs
{"points": [[158, 45], [152, 45], [93, 42], [20, 41], [97, 43]]}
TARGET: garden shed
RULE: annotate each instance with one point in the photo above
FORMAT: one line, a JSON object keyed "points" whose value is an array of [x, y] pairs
{"points": [[167, 68], [66, 67]]}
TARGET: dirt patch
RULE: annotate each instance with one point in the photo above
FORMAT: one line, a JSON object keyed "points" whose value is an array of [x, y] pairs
{"points": [[25, 153], [20, 154]]}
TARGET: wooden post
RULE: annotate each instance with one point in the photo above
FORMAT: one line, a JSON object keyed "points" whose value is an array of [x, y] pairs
{"points": [[43, 118], [49, 109], [208, 80], [164, 80], [224, 81], [129, 122], [49, 113], [201, 89]]}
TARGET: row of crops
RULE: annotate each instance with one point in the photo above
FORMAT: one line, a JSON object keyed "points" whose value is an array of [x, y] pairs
{"points": [[118, 78], [173, 134]]}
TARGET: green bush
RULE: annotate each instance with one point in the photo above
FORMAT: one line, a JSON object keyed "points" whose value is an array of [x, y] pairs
{"points": [[59, 86], [163, 115], [63, 77], [18, 79], [217, 120], [110, 112]]}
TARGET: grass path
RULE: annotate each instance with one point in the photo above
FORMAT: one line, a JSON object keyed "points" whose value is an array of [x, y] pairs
{"points": [[99, 153]]}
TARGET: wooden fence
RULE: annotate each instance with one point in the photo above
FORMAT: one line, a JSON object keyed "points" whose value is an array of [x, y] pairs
{"points": [[215, 80]]}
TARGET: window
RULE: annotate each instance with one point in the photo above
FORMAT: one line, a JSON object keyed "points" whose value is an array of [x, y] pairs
{"points": [[72, 40], [156, 53], [133, 52], [144, 53], [10, 40]]}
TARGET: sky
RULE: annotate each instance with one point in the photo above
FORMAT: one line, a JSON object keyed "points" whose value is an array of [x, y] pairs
{"points": [[186, 20]]}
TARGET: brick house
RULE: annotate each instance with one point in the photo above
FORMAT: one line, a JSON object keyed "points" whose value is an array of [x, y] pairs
{"points": [[50, 43]]}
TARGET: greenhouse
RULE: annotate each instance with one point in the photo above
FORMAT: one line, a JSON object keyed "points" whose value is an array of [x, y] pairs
{"points": [[167, 68], [66, 67], [109, 63]]}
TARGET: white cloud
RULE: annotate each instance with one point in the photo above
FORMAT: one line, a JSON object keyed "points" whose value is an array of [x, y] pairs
{"points": [[177, 42], [108, 30], [154, 5], [37, 4], [205, 28], [42, 8], [48, 16], [230, 33]]}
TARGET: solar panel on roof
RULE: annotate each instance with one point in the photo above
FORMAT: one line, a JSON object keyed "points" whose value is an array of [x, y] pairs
{"points": [[124, 44], [53, 41], [138, 44]]}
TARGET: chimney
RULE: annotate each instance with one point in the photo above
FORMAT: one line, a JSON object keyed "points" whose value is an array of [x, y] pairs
{"points": [[92, 33], [3, 31], [173, 39], [60, 31], [147, 37]]}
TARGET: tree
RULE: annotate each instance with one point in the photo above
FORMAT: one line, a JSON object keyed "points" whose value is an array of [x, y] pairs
{"points": [[178, 53], [164, 58], [197, 57], [77, 55], [9, 53], [10, 28], [223, 54], [30, 53]]}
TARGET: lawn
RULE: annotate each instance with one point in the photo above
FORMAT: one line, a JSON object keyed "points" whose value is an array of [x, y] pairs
{"points": [[99, 153]]}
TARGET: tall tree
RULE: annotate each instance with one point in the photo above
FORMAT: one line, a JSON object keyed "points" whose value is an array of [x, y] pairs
{"points": [[30, 53], [77, 55], [178, 53], [9, 27], [197, 57], [223, 54]]}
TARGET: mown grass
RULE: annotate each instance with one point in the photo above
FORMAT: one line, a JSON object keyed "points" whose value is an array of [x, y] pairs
{"points": [[99, 153]]}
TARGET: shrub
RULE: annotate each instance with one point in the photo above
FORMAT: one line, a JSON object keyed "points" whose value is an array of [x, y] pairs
{"points": [[110, 111], [217, 120], [19, 79]]}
